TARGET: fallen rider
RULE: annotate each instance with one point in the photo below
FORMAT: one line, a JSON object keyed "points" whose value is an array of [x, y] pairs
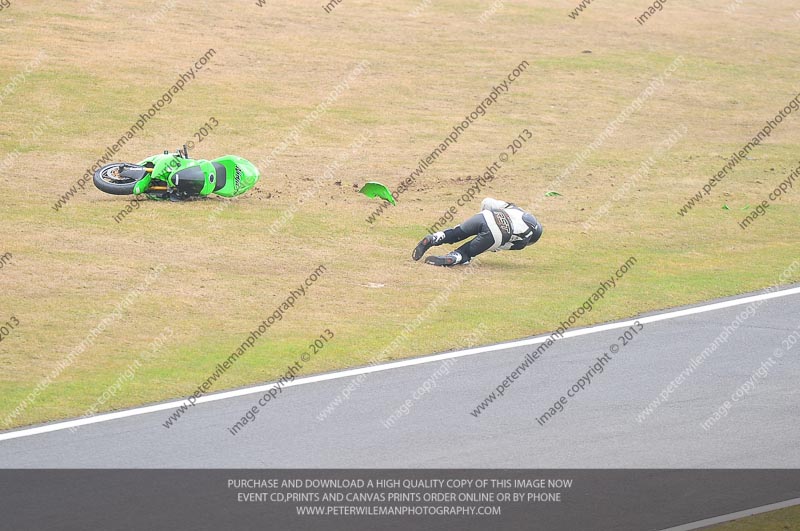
{"points": [[499, 226]]}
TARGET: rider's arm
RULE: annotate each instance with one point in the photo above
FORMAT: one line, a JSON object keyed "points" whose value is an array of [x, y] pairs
{"points": [[520, 241], [493, 204], [520, 244]]}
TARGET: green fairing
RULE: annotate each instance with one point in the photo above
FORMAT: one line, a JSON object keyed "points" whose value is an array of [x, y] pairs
{"points": [[373, 189], [166, 166]]}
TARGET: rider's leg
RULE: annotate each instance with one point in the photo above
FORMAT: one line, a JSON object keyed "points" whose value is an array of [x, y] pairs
{"points": [[485, 238], [477, 245], [472, 226]]}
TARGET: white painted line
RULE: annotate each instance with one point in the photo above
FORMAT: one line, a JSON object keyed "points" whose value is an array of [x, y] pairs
{"points": [[735, 516], [396, 364]]}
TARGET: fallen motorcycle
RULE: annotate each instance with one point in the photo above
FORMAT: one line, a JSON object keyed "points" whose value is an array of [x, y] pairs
{"points": [[176, 177]]}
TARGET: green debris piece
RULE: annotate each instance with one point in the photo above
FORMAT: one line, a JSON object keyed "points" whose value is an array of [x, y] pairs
{"points": [[373, 189], [551, 194], [725, 207], [748, 207]]}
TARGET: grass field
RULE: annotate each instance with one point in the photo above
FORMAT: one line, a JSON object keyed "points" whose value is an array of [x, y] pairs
{"points": [[102, 64], [782, 520]]}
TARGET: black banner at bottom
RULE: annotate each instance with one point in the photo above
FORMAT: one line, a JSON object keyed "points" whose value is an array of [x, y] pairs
{"points": [[383, 499]]}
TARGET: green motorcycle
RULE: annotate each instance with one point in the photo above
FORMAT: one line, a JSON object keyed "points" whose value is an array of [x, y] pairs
{"points": [[176, 177]]}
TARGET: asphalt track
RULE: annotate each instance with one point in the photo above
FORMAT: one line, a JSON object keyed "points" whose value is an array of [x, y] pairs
{"points": [[598, 428]]}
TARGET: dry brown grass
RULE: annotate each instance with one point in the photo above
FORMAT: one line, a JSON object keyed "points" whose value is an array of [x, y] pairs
{"points": [[273, 66]]}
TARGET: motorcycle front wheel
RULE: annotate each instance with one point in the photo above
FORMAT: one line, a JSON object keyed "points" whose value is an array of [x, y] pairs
{"points": [[119, 178]]}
